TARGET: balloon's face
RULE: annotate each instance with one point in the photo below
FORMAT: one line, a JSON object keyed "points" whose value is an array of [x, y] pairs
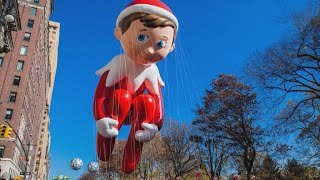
{"points": [[146, 45]]}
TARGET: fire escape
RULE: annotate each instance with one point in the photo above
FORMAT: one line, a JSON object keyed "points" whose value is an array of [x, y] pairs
{"points": [[9, 21]]}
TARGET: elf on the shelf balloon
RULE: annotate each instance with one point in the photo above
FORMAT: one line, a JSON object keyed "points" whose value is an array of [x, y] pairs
{"points": [[129, 90]]}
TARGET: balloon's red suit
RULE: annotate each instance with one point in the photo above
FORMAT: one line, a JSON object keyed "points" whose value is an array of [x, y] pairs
{"points": [[127, 93]]}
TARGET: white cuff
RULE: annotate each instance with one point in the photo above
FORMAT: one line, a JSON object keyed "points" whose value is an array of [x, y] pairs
{"points": [[105, 127], [147, 134]]}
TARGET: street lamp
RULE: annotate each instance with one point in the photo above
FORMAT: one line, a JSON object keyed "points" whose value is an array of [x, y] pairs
{"points": [[9, 21], [9, 18], [26, 153]]}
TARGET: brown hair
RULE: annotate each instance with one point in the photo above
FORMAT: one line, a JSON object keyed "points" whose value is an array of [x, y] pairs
{"points": [[148, 20]]}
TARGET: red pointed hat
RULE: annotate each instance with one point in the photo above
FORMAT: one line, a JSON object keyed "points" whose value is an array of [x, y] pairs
{"points": [[150, 7]]}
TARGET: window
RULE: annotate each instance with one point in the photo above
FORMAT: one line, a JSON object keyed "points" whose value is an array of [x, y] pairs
{"points": [[36, 1], [16, 80], [30, 23], [13, 96], [53, 32], [24, 50], [1, 61], [27, 36], [33, 11], [2, 148], [9, 114], [20, 65]]}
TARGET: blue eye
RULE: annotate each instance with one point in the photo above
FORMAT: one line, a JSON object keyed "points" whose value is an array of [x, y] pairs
{"points": [[161, 44], [142, 38]]}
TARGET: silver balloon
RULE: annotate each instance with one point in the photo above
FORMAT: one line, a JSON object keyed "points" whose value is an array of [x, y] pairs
{"points": [[76, 163], [93, 167]]}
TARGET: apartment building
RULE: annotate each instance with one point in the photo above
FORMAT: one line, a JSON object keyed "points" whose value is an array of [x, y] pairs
{"points": [[42, 165], [24, 76]]}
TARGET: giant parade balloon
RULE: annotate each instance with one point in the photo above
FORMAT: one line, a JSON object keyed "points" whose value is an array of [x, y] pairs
{"points": [[129, 90]]}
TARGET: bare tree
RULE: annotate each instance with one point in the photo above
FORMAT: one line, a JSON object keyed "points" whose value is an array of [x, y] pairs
{"points": [[291, 69], [214, 154], [181, 155], [229, 112], [151, 164]]}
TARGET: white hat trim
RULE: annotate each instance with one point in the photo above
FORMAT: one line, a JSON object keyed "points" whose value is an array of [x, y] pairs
{"points": [[147, 8]]}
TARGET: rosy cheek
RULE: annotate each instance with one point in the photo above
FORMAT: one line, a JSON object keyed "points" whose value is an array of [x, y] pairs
{"points": [[124, 44], [129, 44], [164, 52], [137, 48]]}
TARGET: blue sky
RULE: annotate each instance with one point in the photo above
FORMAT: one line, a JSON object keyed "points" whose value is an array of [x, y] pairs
{"points": [[214, 37]]}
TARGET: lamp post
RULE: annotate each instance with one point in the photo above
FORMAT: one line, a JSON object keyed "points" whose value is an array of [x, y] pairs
{"points": [[26, 153], [27, 160]]}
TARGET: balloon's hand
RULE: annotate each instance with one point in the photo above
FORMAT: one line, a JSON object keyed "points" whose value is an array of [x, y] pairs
{"points": [[147, 134], [106, 127]]}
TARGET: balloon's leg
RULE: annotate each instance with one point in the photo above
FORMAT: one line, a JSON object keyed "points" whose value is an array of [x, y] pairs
{"points": [[143, 111], [104, 147], [116, 108]]}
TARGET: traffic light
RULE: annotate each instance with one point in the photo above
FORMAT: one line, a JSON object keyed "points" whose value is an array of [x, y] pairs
{"points": [[17, 178], [8, 132], [2, 130], [5, 131]]}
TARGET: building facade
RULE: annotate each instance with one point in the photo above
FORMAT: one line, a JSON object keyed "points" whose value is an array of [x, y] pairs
{"points": [[42, 165], [24, 75]]}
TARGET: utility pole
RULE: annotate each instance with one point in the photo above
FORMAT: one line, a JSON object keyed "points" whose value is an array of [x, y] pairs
{"points": [[27, 161], [26, 153]]}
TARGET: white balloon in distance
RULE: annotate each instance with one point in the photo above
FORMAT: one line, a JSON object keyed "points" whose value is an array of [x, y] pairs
{"points": [[76, 163]]}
